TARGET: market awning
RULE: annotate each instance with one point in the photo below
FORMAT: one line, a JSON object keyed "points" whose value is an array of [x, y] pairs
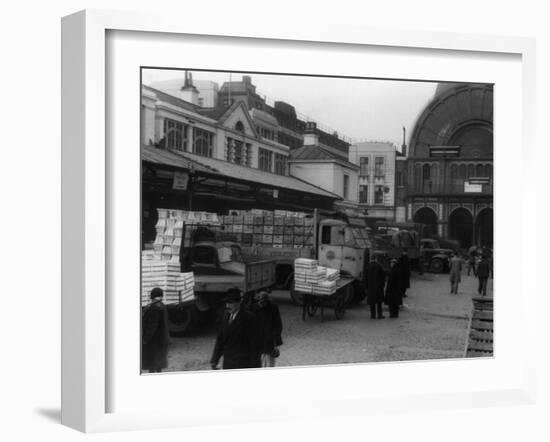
{"points": [[211, 166]]}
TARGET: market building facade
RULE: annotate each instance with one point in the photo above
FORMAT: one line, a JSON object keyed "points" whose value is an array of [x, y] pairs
{"points": [[214, 159], [450, 165]]}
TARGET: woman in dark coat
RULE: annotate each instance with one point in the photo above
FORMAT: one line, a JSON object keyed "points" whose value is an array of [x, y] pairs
{"points": [[394, 289], [155, 334], [376, 278]]}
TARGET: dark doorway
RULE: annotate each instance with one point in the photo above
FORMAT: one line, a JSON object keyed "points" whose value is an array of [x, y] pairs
{"points": [[484, 228], [461, 227], [427, 216]]}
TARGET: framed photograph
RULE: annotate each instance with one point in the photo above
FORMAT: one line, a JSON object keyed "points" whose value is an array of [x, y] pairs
{"points": [[291, 212]]}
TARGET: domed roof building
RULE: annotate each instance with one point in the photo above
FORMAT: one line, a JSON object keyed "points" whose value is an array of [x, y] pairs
{"points": [[450, 164]]}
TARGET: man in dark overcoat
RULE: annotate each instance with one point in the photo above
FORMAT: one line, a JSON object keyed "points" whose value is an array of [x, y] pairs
{"points": [[155, 335], [483, 272], [394, 288], [404, 266], [376, 278], [269, 328], [236, 340]]}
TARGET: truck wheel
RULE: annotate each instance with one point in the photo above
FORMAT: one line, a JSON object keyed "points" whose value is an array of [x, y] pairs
{"points": [[437, 266], [182, 320]]}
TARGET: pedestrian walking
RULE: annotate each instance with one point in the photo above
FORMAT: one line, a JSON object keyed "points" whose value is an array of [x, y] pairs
{"points": [[155, 335], [404, 266], [455, 271], [236, 337], [483, 272], [472, 255], [375, 288], [269, 327], [394, 288]]}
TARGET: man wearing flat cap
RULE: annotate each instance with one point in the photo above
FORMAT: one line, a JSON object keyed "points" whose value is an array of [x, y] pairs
{"points": [[155, 334], [236, 337]]}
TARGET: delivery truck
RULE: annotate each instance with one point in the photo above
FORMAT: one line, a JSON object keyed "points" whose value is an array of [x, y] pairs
{"points": [[333, 239], [201, 248]]}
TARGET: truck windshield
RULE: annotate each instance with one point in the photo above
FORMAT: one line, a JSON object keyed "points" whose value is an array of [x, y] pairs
{"points": [[229, 253]]}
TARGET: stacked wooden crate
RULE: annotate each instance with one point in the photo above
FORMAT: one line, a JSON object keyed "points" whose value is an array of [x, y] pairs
{"points": [[479, 342], [278, 229]]}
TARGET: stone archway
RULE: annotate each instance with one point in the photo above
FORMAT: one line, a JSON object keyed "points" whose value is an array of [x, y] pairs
{"points": [[484, 228], [461, 226], [427, 216]]}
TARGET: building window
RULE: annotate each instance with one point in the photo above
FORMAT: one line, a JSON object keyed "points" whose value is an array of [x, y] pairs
{"points": [[239, 126], [479, 170], [346, 187], [364, 194], [378, 194], [280, 164], [364, 165], [201, 101], [454, 171], [379, 167], [470, 170], [175, 135], [202, 142], [265, 160], [462, 171]]}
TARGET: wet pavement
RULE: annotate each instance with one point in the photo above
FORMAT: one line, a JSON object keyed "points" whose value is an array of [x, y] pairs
{"points": [[433, 325]]}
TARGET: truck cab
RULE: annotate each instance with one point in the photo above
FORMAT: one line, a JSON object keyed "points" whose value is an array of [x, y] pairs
{"points": [[344, 247]]}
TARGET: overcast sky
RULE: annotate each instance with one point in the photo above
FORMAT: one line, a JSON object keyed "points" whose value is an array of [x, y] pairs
{"points": [[362, 109]]}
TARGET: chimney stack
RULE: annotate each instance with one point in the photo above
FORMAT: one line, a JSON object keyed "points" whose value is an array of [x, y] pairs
{"points": [[404, 145], [188, 91], [311, 138]]}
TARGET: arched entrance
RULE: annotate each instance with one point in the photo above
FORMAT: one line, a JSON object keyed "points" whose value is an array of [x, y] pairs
{"points": [[484, 228], [427, 216], [461, 226]]}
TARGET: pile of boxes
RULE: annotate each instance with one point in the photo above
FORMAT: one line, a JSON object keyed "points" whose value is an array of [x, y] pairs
{"points": [[278, 229], [172, 225], [161, 267], [309, 277]]}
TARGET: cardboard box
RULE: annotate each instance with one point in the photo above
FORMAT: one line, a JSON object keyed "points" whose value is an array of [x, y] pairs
{"points": [[277, 239], [298, 239], [268, 230], [288, 231], [238, 228], [248, 219], [248, 228], [257, 238], [258, 220], [279, 220], [267, 239], [258, 229], [288, 240], [278, 230], [268, 220], [289, 221], [247, 239], [298, 221]]}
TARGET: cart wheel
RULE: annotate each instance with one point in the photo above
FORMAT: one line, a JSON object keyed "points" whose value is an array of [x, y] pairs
{"points": [[340, 307], [312, 309]]}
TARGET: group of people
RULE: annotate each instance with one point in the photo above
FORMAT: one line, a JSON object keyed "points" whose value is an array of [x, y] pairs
{"points": [[387, 287], [248, 336], [478, 262]]}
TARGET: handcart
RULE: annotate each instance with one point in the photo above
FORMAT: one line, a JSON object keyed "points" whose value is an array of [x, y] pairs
{"points": [[312, 302]]}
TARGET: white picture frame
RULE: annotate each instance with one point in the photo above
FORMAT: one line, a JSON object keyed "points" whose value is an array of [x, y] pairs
{"points": [[86, 217]]}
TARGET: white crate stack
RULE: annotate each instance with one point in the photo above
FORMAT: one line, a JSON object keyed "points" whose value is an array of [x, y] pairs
{"points": [[160, 266], [309, 277]]}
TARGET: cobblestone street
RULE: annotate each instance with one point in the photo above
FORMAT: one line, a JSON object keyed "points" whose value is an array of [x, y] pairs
{"points": [[432, 326]]}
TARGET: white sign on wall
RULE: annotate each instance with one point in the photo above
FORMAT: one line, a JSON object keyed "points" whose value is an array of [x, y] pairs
{"points": [[472, 188]]}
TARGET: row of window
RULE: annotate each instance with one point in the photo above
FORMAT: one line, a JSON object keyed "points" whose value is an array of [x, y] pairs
{"points": [[379, 168], [364, 194], [176, 136], [268, 159], [237, 151], [428, 171]]}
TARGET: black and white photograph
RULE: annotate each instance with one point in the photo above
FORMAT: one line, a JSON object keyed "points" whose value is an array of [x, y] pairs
{"points": [[303, 220]]}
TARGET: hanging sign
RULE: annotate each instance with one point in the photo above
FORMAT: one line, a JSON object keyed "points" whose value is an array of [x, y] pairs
{"points": [[472, 188], [181, 181]]}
